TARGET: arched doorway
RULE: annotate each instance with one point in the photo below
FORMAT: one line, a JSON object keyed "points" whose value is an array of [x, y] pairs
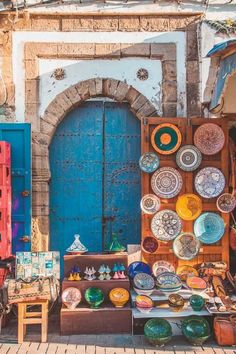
{"points": [[95, 179]]}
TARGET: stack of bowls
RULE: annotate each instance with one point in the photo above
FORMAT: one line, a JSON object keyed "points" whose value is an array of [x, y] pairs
{"points": [[144, 303], [176, 302], [143, 284], [169, 282]]}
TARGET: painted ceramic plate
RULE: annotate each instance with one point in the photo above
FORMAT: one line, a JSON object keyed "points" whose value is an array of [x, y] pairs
{"points": [[226, 203], [143, 301], [209, 138], [209, 182], [150, 244], [196, 283], [186, 246], [166, 225], [166, 138], [209, 228], [160, 267], [186, 271], [150, 204], [188, 158], [71, 297], [149, 162], [166, 182], [169, 282], [143, 281], [138, 267], [189, 206]]}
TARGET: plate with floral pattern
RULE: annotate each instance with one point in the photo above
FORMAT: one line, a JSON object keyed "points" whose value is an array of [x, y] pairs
{"points": [[226, 203], [166, 225], [166, 182], [150, 204], [209, 182], [209, 138], [162, 267], [188, 158], [149, 162], [186, 246]]}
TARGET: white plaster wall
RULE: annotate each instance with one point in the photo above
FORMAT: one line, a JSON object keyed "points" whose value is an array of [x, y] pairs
{"points": [[20, 38], [79, 70]]}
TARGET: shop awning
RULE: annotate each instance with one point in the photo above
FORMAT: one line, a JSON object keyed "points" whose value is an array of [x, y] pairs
{"points": [[227, 53]]}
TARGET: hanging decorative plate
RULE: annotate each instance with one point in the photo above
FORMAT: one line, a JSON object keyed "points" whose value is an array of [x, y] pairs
{"points": [[150, 204], [150, 244], [186, 246], [138, 267], [144, 281], [186, 271], [189, 206], [169, 282], [166, 182], [160, 267], [209, 228], [149, 162], [209, 182], [196, 283], [166, 138], [209, 138], [166, 225], [188, 158], [226, 203]]}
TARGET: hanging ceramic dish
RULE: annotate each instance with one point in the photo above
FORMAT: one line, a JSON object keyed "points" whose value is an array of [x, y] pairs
{"points": [[186, 246], [209, 138], [150, 244], [186, 271], [209, 228], [150, 204], [166, 182], [188, 158], [160, 267], [149, 162], [166, 138], [226, 203], [166, 225], [196, 283], [144, 281], [189, 206], [138, 267], [169, 282], [209, 182]]}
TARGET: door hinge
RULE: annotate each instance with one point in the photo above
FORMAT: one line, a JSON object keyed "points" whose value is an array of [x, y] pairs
{"points": [[25, 239]]}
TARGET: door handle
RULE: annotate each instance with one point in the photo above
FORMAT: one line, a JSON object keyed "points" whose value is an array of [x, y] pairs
{"points": [[25, 239], [25, 193]]}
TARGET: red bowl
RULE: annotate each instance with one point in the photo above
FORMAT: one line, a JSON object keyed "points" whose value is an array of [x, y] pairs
{"points": [[150, 244]]}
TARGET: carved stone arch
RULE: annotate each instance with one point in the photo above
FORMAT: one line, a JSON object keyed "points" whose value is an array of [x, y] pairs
{"points": [[53, 115]]}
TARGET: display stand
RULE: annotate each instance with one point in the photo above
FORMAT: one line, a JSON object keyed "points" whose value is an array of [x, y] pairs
{"points": [[105, 319]]}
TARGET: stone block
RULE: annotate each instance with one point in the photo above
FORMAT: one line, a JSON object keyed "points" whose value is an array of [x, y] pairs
{"points": [[73, 95], [41, 187], [169, 109], [169, 70], [193, 101], [105, 23], [49, 50], [131, 95], [30, 51], [64, 102], [40, 210], [32, 91], [55, 109], [181, 22], [121, 91], [39, 162], [111, 50], [139, 103], [154, 23], [83, 89], [40, 139], [169, 91], [165, 51], [192, 45], [39, 150], [135, 50], [7, 71], [40, 234], [10, 89], [47, 128], [110, 87], [76, 50], [77, 24], [99, 86], [129, 23], [50, 23], [50, 118], [31, 69], [147, 110], [192, 71]]}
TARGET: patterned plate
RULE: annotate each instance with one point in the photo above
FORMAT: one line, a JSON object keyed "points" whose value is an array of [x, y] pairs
{"points": [[226, 203], [196, 283], [189, 206], [138, 267], [150, 204], [209, 138], [166, 225], [186, 271], [144, 281], [169, 282], [186, 246], [162, 267], [188, 158], [209, 182], [150, 244], [209, 228], [166, 138], [149, 162], [166, 182]]}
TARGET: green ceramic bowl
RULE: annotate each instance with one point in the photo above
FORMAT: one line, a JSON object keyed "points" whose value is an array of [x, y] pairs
{"points": [[158, 331], [94, 297], [196, 329], [197, 302]]}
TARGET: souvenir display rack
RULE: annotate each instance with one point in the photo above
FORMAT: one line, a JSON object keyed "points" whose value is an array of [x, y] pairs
{"points": [[105, 319], [187, 127]]}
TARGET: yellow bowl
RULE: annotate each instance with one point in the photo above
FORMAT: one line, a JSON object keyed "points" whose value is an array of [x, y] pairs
{"points": [[119, 297]]}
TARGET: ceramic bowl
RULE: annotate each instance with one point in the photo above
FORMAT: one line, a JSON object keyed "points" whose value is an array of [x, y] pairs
{"points": [[157, 331], [176, 302], [150, 244], [71, 297], [196, 329], [94, 297], [169, 282], [138, 267], [144, 303], [143, 291], [143, 281], [119, 297], [186, 271], [196, 284], [196, 302]]}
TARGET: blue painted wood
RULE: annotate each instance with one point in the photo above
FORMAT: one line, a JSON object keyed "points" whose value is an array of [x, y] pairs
{"points": [[95, 176], [19, 136]]}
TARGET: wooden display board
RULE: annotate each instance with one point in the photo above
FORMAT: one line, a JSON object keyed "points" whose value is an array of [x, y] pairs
{"points": [[208, 253]]}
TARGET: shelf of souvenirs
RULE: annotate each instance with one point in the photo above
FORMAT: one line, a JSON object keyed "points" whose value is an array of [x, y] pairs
{"points": [[103, 307], [157, 295], [105, 285]]}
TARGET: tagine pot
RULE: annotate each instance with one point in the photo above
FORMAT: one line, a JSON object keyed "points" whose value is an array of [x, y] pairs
{"points": [[115, 245], [77, 247], [196, 329], [197, 302], [158, 331], [94, 297]]}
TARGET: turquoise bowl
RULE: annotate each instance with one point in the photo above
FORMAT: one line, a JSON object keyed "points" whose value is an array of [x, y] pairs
{"points": [[197, 302], [94, 297], [196, 329], [158, 331]]}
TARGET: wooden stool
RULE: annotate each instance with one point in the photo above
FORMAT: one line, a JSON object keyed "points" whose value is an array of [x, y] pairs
{"points": [[25, 318]]}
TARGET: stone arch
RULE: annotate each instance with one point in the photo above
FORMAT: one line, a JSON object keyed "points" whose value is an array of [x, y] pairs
{"points": [[53, 115]]}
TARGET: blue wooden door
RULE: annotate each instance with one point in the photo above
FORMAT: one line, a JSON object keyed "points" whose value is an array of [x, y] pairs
{"points": [[19, 136], [95, 183]]}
